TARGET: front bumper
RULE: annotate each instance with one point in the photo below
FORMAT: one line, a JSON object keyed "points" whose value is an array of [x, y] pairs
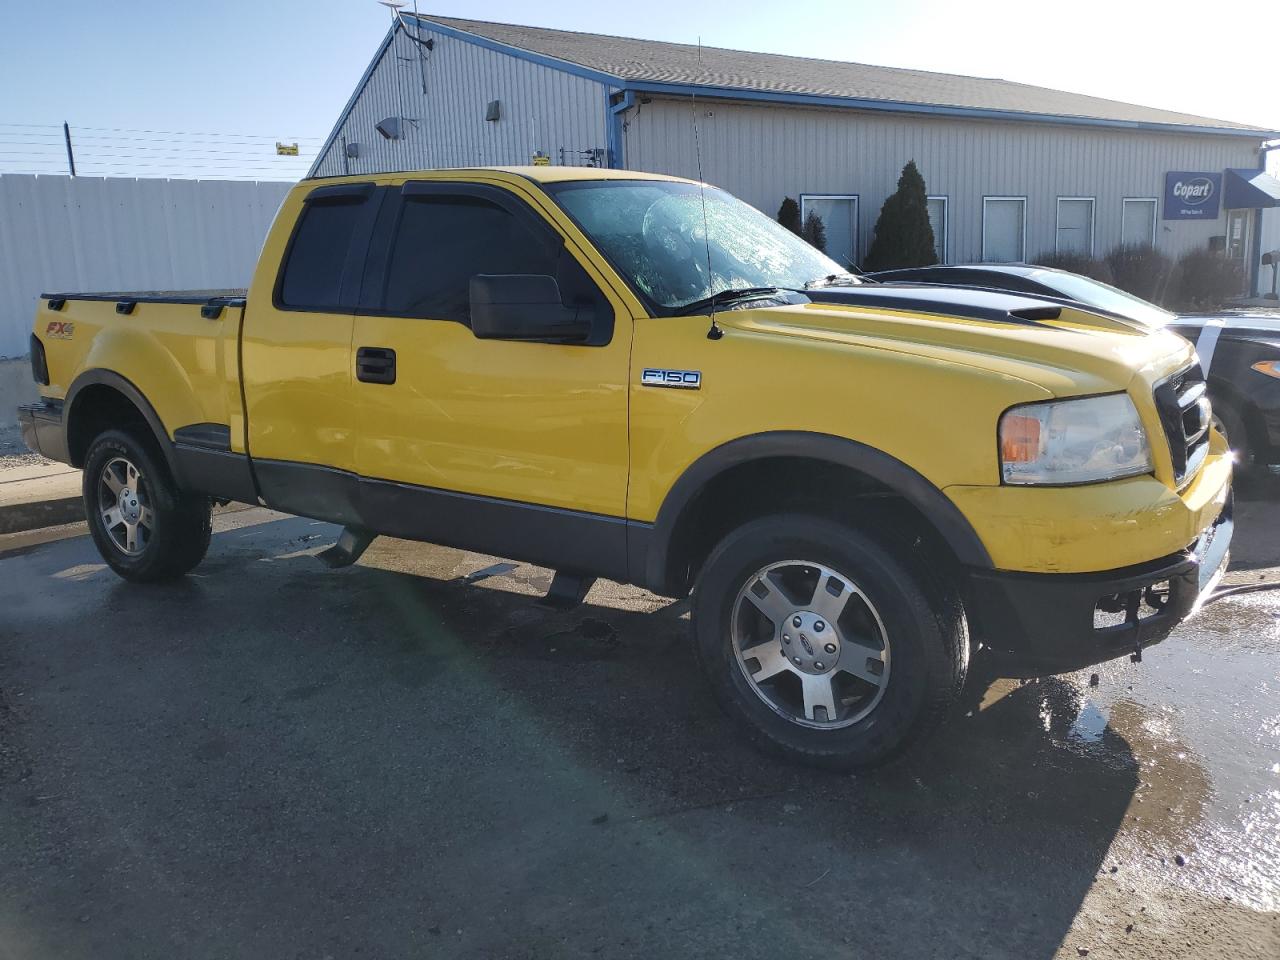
{"points": [[42, 428], [1037, 624]]}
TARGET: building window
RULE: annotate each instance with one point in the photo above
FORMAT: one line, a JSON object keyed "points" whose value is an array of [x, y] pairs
{"points": [[1138, 222], [1004, 229], [839, 216], [938, 220], [1075, 225]]}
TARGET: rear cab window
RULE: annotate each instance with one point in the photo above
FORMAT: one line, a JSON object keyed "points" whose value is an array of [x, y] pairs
{"points": [[328, 242]]}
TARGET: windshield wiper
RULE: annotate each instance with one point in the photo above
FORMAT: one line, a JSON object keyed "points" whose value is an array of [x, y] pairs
{"points": [[836, 280], [724, 297]]}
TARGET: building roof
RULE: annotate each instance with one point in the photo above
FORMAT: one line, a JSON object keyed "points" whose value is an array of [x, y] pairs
{"points": [[654, 65]]}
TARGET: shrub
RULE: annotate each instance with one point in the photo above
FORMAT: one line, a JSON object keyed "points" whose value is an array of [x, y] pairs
{"points": [[1204, 280], [815, 231], [789, 216], [1081, 263], [903, 236], [1141, 270]]}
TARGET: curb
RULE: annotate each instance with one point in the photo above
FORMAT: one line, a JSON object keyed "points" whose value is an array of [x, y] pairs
{"points": [[20, 517]]}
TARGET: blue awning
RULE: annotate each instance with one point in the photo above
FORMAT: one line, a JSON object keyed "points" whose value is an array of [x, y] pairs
{"points": [[1250, 190]]}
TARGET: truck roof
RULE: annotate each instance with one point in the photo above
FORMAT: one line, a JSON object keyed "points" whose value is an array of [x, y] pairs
{"points": [[547, 174]]}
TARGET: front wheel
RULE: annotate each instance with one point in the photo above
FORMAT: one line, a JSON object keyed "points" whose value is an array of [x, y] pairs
{"points": [[144, 526], [830, 646]]}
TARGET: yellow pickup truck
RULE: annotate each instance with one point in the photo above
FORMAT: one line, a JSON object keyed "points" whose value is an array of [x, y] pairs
{"points": [[642, 378]]}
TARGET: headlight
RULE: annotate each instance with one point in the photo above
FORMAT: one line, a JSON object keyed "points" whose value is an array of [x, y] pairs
{"points": [[1270, 367], [1073, 441]]}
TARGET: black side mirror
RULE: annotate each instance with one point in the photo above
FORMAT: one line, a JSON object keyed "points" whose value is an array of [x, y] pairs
{"points": [[525, 306]]}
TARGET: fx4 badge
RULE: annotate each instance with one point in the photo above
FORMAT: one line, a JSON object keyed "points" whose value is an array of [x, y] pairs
{"points": [[60, 329], [680, 379]]}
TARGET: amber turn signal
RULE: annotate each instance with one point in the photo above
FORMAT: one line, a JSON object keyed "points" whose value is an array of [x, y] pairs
{"points": [[1019, 439]]}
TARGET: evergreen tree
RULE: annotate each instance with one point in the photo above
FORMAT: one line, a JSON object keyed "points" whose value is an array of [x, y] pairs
{"points": [[789, 216], [815, 231], [904, 236]]}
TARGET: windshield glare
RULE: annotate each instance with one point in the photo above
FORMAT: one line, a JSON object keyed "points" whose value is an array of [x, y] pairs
{"points": [[1095, 293], [656, 234]]}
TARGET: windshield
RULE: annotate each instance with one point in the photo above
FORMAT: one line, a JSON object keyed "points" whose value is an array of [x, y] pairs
{"points": [[1094, 293], [655, 234]]}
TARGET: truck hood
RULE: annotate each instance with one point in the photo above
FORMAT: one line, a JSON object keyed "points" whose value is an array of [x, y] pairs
{"points": [[1066, 349], [1241, 323]]}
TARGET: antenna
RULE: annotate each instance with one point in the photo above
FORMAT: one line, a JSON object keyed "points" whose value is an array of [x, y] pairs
{"points": [[714, 332], [395, 6]]}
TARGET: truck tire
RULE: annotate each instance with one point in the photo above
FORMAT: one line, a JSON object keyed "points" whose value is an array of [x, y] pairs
{"points": [[146, 529], [1231, 425], [830, 646]]}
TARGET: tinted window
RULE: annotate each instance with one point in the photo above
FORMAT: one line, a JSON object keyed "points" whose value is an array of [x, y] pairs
{"points": [[443, 241], [313, 272]]}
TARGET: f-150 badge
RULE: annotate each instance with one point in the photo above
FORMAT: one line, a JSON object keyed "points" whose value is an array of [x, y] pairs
{"points": [[679, 379]]}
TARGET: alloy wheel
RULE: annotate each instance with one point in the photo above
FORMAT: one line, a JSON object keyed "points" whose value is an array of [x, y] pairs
{"points": [[811, 644], [124, 504]]}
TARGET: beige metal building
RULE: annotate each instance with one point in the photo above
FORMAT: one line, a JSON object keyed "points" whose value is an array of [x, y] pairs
{"points": [[1013, 171]]}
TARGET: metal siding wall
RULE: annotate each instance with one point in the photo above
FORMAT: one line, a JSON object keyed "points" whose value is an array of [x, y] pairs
{"points": [[763, 153], [542, 109], [90, 233]]}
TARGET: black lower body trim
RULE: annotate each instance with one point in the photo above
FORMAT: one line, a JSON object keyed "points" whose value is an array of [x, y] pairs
{"points": [[571, 540], [218, 473], [42, 429], [1037, 625]]}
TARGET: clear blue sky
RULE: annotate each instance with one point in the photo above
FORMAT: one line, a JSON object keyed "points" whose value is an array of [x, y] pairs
{"points": [[223, 80]]}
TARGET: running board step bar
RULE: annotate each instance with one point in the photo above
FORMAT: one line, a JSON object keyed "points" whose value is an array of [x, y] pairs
{"points": [[351, 544], [567, 590]]}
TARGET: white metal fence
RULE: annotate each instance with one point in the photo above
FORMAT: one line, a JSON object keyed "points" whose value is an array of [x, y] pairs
{"points": [[90, 233]]}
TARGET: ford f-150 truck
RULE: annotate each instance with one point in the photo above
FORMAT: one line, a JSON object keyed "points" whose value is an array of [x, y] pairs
{"points": [[641, 378]]}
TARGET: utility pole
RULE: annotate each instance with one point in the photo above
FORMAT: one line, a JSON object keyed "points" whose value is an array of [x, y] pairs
{"points": [[71, 157]]}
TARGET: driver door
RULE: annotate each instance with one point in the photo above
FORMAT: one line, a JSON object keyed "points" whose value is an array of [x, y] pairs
{"points": [[481, 442]]}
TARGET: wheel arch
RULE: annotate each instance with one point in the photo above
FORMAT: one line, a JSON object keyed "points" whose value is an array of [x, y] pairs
{"points": [[105, 392], [666, 559]]}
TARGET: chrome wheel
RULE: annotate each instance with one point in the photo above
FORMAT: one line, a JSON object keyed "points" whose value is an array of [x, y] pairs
{"points": [[811, 644], [124, 504]]}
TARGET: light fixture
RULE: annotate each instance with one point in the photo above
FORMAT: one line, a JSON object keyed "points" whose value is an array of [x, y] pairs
{"points": [[391, 127]]}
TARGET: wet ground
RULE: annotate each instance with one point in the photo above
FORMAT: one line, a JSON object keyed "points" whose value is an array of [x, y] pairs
{"points": [[411, 758]]}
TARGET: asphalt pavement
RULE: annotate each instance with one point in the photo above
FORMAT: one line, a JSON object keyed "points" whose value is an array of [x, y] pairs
{"points": [[413, 758]]}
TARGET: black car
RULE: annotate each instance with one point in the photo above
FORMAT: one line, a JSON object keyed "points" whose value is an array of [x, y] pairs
{"points": [[1239, 350]]}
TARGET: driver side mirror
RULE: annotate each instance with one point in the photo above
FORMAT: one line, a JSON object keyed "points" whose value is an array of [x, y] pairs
{"points": [[525, 306]]}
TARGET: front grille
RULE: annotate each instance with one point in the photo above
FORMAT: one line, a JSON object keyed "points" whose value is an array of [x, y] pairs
{"points": [[1183, 404]]}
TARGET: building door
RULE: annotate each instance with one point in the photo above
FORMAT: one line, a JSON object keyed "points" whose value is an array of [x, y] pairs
{"points": [[839, 216], [1238, 235], [509, 423]]}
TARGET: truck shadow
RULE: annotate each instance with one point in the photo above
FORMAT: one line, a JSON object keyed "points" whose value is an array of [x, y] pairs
{"points": [[987, 839], [439, 743]]}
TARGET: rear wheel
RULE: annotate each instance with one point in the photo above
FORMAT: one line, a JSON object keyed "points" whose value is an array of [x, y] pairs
{"points": [[145, 527], [829, 645]]}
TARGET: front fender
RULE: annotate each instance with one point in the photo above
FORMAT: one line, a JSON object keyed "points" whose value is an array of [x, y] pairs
{"points": [[653, 549]]}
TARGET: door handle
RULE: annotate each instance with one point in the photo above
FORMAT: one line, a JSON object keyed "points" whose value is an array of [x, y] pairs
{"points": [[376, 365]]}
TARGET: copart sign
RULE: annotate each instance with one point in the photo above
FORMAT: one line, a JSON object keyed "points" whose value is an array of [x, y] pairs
{"points": [[1192, 196]]}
